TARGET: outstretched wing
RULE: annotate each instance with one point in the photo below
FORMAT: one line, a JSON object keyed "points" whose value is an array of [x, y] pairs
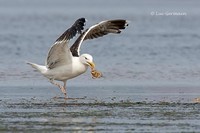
{"points": [[60, 54], [98, 30]]}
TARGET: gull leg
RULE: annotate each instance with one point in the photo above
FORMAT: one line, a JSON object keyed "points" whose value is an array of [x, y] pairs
{"points": [[60, 86], [65, 89]]}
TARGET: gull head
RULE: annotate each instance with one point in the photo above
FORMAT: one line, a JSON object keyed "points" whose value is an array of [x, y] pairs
{"points": [[87, 59]]}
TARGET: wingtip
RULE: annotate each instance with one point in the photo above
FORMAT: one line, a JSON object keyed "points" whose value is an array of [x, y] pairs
{"points": [[127, 22], [83, 19], [119, 31]]}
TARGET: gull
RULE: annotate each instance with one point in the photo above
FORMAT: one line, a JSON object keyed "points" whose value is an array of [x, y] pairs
{"points": [[64, 63]]}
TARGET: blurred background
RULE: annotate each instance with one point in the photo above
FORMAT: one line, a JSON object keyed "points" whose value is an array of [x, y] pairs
{"points": [[161, 45]]}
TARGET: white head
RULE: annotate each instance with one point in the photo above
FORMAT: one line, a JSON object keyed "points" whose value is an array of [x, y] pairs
{"points": [[87, 59]]}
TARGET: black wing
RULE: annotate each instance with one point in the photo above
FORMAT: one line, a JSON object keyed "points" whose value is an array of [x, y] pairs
{"points": [[98, 30], [77, 27]]}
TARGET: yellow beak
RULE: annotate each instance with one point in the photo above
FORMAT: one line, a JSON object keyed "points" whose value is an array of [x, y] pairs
{"points": [[91, 64]]}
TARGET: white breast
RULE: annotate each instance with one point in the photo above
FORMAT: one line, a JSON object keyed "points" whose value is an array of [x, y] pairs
{"points": [[77, 67]]}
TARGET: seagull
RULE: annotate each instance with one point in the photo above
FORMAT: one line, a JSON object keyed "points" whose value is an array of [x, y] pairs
{"points": [[64, 63]]}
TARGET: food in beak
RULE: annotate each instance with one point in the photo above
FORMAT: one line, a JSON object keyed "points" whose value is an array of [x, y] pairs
{"points": [[95, 73]]}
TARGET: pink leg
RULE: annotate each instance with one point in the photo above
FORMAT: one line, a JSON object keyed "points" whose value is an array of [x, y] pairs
{"points": [[65, 89], [62, 88]]}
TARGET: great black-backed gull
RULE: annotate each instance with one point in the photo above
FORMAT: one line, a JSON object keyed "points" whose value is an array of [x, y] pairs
{"points": [[64, 63]]}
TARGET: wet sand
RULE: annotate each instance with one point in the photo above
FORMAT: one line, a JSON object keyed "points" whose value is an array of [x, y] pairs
{"points": [[103, 109]]}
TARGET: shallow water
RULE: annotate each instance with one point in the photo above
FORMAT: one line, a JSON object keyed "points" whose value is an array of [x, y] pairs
{"points": [[151, 70], [109, 109]]}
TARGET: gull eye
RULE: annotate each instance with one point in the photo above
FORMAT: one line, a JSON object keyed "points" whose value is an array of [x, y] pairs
{"points": [[86, 58]]}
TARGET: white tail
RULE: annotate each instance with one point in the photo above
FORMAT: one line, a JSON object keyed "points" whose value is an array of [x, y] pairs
{"points": [[40, 68]]}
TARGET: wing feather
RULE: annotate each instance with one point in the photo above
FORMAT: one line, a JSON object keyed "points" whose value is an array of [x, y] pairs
{"points": [[98, 30], [77, 27], [60, 54]]}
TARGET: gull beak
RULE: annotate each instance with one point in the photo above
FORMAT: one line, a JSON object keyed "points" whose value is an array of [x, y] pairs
{"points": [[91, 64]]}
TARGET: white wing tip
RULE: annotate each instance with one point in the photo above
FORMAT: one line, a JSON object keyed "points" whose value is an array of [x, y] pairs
{"points": [[127, 22], [85, 21]]}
